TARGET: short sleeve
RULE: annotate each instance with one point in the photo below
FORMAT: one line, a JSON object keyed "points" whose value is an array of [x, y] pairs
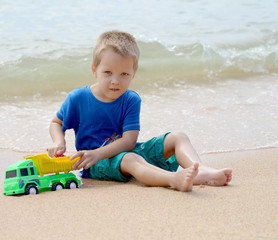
{"points": [[132, 114], [67, 113]]}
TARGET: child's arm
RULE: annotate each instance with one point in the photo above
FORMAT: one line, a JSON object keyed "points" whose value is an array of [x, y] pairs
{"points": [[58, 137], [90, 157]]}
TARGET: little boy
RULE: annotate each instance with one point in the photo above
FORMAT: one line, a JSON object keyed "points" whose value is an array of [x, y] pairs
{"points": [[105, 118]]}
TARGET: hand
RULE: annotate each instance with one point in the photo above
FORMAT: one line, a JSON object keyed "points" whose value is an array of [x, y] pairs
{"points": [[56, 150], [87, 159]]}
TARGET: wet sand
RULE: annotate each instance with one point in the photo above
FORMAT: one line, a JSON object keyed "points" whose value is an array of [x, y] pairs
{"points": [[246, 209]]}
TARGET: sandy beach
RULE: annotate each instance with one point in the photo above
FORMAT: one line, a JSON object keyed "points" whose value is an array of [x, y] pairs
{"points": [[246, 209], [207, 68]]}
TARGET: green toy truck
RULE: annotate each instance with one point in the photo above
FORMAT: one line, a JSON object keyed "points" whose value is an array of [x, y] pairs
{"points": [[23, 177]]}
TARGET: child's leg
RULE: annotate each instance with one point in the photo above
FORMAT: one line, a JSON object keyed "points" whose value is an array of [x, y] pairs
{"points": [[135, 165], [179, 144]]}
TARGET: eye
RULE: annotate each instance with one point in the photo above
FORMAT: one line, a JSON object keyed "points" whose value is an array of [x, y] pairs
{"points": [[125, 74], [107, 72]]}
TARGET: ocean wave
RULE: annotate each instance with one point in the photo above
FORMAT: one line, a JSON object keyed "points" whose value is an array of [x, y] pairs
{"points": [[64, 69]]}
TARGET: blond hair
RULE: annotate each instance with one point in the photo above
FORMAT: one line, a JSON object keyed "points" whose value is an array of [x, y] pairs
{"points": [[121, 42]]}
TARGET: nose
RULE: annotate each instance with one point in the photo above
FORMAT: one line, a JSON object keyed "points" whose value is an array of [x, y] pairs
{"points": [[115, 80]]}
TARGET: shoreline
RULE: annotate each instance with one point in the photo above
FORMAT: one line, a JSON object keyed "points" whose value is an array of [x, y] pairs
{"points": [[245, 209]]}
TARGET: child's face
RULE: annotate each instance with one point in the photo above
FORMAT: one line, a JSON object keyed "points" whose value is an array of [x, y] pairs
{"points": [[114, 74]]}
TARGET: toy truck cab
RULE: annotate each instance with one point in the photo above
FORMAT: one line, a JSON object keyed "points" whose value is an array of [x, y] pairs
{"points": [[18, 176], [24, 177]]}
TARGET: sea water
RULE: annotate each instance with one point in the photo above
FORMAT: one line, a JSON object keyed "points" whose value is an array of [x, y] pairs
{"points": [[207, 68]]}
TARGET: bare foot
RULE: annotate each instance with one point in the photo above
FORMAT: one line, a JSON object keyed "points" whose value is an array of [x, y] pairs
{"points": [[183, 180], [212, 177]]}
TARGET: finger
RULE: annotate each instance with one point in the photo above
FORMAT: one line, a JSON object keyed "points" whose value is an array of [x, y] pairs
{"points": [[88, 165], [78, 154], [77, 164], [83, 162], [60, 152], [50, 152]]}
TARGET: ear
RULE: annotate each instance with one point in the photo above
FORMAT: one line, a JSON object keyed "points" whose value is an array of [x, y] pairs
{"points": [[94, 70], [134, 73]]}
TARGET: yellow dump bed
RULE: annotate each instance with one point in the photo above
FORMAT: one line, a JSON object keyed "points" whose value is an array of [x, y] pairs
{"points": [[47, 165]]}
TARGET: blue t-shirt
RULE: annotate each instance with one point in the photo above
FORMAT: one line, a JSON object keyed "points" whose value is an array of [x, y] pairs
{"points": [[95, 122]]}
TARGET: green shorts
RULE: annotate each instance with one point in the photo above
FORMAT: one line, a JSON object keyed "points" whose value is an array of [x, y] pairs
{"points": [[151, 151]]}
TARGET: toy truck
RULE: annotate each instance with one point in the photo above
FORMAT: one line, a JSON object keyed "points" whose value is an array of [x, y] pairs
{"points": [[29, 176]]}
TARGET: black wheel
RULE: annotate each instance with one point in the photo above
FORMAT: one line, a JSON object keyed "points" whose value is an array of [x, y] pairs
{"points": [[57, 186], [71, 184], [31, 189]]}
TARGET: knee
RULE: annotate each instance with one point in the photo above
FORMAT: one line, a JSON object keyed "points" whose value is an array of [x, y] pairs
{"points": [[129, 159], [180, 136], [129, 163]]}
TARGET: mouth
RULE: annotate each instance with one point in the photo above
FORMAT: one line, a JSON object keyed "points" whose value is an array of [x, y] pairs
{"points": [[114, 89]]}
